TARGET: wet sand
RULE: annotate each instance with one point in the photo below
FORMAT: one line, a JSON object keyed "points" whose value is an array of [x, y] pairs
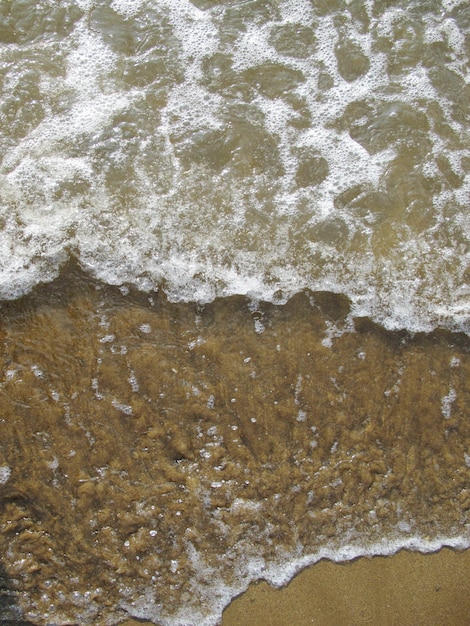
{"points": [[407, 589]]}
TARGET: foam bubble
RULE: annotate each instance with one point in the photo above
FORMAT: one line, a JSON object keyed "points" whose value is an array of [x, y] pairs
{"points": [[446, 403], [450, 5], [236, 164], [5, 473], [297, 11], [127, 8]]}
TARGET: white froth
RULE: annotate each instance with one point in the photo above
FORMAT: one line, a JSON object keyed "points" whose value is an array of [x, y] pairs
{"points": [[5, 473], [252, 49], [90, 63], [447, 402], [127, 8], [450, 5], [191, 108], [123, 408], [202, 229], [297, 11], [197, 35]]}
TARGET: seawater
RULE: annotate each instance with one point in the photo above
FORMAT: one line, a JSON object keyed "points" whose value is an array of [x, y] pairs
{"points": [[255, 148], [234, 296]]}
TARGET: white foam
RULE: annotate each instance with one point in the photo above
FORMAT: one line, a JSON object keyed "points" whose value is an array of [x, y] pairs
{"points": [[123, 408], [206, 231], [5, 473], [127, 8], [297, 11], [450, 5], [447, 402]]}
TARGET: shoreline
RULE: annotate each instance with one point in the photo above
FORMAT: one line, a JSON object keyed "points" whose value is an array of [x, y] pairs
{"points": [[408, 588]]}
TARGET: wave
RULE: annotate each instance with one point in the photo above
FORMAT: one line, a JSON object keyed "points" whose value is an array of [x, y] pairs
{"points": [[211, 149]]}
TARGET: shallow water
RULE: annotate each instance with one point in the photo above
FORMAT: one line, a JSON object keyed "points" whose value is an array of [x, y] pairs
{"points": [[156, 457], [234, 296]]}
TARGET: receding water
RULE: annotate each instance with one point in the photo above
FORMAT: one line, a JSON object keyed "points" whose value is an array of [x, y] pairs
{"points": [[156, 457], [234, 282]]}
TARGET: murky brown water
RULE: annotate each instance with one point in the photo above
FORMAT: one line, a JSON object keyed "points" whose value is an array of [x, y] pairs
{"points": [[155, 457]]}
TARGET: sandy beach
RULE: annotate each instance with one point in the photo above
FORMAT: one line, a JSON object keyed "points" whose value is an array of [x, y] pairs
{"points": [[407, 589]]}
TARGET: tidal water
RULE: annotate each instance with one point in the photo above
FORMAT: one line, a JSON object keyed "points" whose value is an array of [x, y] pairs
{"points": [[234, 297]]}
